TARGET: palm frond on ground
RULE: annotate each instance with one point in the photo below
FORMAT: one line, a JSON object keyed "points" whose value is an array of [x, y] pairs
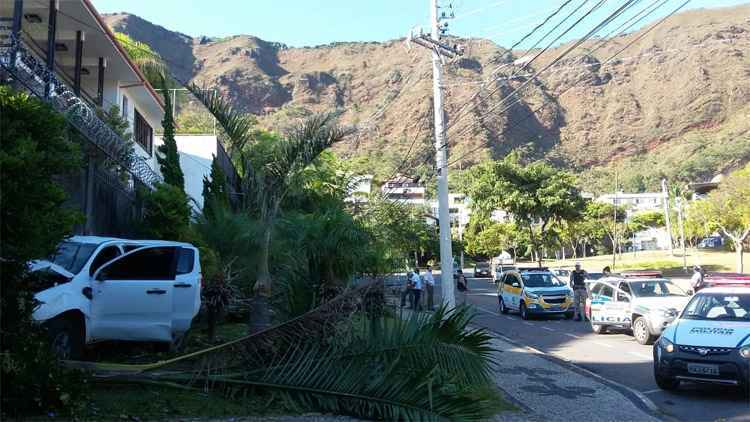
{"points": [[346, 357]]}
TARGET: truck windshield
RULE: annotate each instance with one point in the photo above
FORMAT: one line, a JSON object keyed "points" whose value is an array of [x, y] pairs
{"points": [[718, 307], [541, 280], [73, 255], [655, 288]]}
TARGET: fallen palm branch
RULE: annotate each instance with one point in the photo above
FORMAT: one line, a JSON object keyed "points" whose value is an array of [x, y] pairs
{"points": [[345, 357]]}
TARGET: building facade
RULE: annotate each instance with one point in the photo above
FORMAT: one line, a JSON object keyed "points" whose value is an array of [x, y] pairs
{"points": [[404, 189], [635, 202], [64, 54]]}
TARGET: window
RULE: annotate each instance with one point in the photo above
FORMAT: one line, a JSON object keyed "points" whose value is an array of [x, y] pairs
{"points": [[185, 261], [144, 135], [147, 264], [606, 291], [105, 255], [73, 256], [125, 108]]}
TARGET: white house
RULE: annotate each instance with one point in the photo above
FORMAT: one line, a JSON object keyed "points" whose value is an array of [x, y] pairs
{"points": [[86, 58], [404, 189], [460, 211], [635, 202], [651, 239], [196, 153]]}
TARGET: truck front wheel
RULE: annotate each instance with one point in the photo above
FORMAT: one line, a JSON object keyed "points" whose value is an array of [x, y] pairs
{"points": [[66, 337]]}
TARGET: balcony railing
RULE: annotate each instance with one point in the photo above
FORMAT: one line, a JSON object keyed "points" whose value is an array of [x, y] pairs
{"points": [[33, 74]]}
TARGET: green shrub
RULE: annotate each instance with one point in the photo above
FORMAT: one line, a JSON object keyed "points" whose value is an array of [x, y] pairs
{"points": [[35, 148], [166, 213]]}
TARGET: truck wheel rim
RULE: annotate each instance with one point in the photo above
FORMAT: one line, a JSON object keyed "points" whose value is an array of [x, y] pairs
{"points": [[61, 345], [640, 330]]}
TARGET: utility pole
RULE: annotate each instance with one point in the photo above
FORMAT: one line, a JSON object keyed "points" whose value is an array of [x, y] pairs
{"points": [[439, 50], [614, 225], [681, 222], [666, 215]]}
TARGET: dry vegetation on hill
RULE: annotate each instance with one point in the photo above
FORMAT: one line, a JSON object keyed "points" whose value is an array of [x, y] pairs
{"points": [[674, 104]]}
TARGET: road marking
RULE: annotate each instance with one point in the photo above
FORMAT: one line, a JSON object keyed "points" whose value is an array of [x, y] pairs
{"points": [[547, 328], [507, 317], [603, 344], [528, 323], [657, 390], [572, 335], [640, 355]]}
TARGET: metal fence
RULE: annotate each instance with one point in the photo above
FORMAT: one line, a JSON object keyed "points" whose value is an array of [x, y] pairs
{"points": [[115, 211]]}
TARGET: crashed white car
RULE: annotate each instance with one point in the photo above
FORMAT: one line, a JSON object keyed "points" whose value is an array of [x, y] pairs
{"points": [[709, 342], [97, 288], [645, 305]]}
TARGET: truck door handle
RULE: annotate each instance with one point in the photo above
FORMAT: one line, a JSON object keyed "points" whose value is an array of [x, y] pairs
{"points": [[183, 285], [156, 291]]}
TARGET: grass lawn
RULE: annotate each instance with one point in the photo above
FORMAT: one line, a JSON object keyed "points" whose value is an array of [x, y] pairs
{"points": [[145, 403], [671, 266]]}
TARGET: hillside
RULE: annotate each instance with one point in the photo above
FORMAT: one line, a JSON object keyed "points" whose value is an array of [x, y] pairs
{"points": [[673, 104]]}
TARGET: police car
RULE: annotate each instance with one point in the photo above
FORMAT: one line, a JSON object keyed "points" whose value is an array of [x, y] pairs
{"points": [[709, 342], [534, 291], [644, 304]]}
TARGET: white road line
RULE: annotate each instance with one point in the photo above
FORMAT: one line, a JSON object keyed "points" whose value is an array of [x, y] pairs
{"points": [[507, 317], [656, 390], [640, 355], [603, 344], [528, 323], [572, 335], [547, 328]]}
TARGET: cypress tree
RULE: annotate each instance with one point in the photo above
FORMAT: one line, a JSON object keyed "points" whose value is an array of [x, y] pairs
{"points": [[215, 191], [168, 157]]}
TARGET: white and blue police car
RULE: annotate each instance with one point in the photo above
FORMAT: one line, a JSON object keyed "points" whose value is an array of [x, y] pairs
{"points": [[709, 342]]}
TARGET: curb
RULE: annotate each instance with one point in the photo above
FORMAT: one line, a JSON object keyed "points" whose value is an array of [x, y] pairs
{"points": [[635, 396]]}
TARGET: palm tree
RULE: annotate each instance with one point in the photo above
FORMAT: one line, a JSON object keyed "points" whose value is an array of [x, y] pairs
{"points": [[267, 179]]}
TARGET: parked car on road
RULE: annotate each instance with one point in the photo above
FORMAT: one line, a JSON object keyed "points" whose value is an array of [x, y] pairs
{"points": [[97, 288], [645, 305], [534, 292], [501, 269], [709, 342], [482, 270]]}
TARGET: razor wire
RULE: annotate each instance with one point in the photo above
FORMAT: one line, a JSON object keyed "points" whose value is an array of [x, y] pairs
{"points": [[42, 82]]}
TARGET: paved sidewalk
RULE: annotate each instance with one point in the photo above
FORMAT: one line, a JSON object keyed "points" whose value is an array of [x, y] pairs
{"points": [[545, 390]]}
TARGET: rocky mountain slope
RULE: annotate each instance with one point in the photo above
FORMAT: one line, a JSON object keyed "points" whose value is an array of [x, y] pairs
{"points": [[673, 104]]}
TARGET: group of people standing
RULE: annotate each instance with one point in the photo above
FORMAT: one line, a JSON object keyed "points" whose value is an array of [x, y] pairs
{"points": [[415, 284]]}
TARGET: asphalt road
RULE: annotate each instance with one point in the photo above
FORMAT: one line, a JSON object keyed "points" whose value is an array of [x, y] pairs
{"points": [[616, 356]]}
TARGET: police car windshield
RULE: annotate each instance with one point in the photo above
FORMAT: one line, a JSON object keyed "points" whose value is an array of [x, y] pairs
{"points": [[541, 280], [718, 307], [73, 255], [655, 288]]}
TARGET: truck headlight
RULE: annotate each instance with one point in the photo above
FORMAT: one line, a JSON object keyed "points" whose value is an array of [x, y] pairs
{"points": [[745, 352], [668, 346], [666, 313], [532, 295]]}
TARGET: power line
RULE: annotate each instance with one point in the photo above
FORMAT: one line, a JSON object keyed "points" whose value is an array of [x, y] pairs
{"points": [[610, 59], [556, 60], [468, 103]]}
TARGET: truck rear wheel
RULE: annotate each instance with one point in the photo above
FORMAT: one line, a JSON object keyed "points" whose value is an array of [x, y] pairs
{"points": [[641, 332]]}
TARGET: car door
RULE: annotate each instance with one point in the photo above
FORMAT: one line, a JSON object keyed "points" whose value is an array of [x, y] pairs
{"points": [[133, 296], [605, 310], [513, 288], [186, 290]]}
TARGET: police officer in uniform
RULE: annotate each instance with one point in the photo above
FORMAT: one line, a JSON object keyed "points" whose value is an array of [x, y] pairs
{"points": [[578, 284]]}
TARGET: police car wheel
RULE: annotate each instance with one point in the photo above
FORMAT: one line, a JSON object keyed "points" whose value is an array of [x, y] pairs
{"points": [[503, 309], [524, 311], [641, 331], [599, 329], [666, 383]]}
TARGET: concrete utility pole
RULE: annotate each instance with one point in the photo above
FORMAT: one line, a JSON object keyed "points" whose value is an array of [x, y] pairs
{"points": [[666, 215], [439, 50]]}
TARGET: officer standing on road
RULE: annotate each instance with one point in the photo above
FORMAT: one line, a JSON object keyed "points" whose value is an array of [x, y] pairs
{"points": [[429, 282], [416, 281], [696, 282], [578, 284]]}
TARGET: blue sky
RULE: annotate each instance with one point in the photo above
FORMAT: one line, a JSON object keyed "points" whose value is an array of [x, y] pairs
{"points": [[314, 22]]}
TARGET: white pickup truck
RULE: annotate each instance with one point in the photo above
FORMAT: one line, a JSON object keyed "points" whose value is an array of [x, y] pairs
{"points": [[98, 288], [645, 305]]}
